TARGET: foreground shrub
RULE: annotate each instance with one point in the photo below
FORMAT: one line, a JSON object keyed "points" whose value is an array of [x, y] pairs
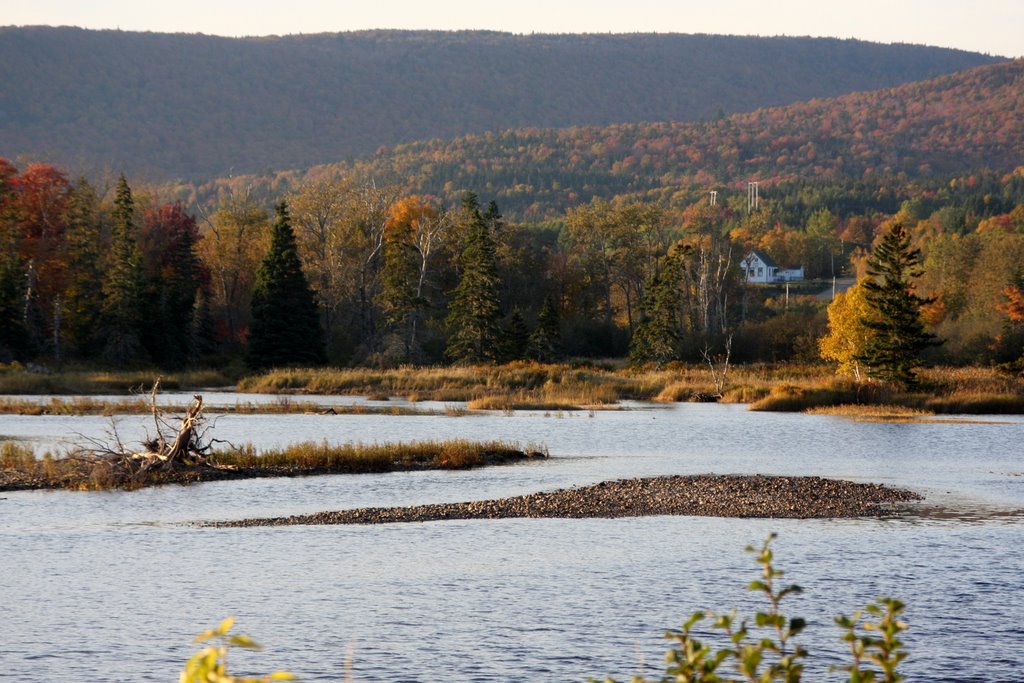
{"points": [[766, 650], [210, 665]]}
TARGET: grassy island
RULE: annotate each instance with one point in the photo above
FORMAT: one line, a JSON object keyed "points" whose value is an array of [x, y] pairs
{"points": [[21, 470]]}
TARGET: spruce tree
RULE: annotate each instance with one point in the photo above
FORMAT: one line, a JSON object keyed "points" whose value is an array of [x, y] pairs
{"points": [[656, 338], [14, 338], [83, 300], [474, 314], [397, 298], [898, 335], [517, 338], [122, 318], [13, 335], [544, 341], [202, 337], [173, 272], [285, 321]]}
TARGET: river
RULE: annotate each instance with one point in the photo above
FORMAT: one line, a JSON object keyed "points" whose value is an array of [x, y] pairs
{"points": [[112, 586]]}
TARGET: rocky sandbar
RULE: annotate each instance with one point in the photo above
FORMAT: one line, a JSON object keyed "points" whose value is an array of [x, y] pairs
{"points": [[708, 495]]}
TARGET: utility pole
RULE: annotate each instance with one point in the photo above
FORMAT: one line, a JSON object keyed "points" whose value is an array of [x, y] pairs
{"points": [[714, 197], [753, 196]]}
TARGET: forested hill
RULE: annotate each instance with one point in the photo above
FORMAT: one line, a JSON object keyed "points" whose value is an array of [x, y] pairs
{"points": [[954, 124], [175, 105]]}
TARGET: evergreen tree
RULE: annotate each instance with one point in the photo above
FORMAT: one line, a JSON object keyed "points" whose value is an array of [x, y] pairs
{"points": [[83, 300], [14, 343], [121, 315], [397, 298], [517, 338], [474, 314], [656, 338], [285, 321], [202, 338], [13, 335], [898, 335], [173, 272], [544, 341]]}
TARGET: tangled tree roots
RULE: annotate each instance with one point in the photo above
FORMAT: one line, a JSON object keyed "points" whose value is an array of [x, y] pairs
{"points": [[170, 451]]}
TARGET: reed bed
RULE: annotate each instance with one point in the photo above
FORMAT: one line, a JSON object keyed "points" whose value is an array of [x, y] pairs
{"points": [[139, 406], [871, 412], [20, 382], [972, 391], [322, 457], [20, 469]]}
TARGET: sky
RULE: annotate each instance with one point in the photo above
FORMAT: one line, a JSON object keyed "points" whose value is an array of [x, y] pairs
{"points": [[993, 27]]}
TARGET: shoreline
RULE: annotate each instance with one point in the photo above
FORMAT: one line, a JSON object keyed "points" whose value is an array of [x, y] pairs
{"points": [[706, 495]]}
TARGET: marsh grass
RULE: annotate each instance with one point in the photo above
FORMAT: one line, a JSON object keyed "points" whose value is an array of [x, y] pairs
{"points": [[20, 469], [21, 382], [971, 391], [313, 457], [871, 412], [85, 405]]}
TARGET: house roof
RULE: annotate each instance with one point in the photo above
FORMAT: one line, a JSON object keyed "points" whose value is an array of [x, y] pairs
{"points": [[765, 258]]}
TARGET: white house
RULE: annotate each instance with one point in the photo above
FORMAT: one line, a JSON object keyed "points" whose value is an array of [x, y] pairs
{"points": [[759, 268]]}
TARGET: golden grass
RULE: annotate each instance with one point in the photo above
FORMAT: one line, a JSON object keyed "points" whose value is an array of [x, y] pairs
{"points": [[19, 468], [87, 382], [881, 411], [781, 387], [139, 406], [977, 403], [972, 391], [358, 457]]}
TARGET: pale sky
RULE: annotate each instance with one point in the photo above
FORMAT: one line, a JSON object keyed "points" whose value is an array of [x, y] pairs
{"points": [[991, 26]]}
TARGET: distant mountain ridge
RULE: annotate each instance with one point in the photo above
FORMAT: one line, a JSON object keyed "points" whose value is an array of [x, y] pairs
{"points": [[954, 124], [184, 105]]}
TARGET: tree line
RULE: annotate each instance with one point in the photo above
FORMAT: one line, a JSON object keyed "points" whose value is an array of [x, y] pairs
{"points": [[353, 272]]}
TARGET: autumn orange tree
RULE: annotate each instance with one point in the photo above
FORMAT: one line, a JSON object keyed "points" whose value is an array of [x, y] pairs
{"points": [[847, 336]]}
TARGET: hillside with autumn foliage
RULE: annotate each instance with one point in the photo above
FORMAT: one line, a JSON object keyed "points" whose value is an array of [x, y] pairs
{"points": [[177, 105], [949, 125]]}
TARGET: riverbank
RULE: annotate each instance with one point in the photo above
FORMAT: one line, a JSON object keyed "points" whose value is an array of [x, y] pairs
{"points": [[284, 405], [20, 470], [779, 387], [538, 386], [708, 495]]}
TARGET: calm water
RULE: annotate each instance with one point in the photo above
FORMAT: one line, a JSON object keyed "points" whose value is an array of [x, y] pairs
{"points": [[112, 586]]}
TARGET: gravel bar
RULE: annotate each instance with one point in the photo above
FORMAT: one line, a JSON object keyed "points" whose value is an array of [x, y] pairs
{"points": [[707, 495]]}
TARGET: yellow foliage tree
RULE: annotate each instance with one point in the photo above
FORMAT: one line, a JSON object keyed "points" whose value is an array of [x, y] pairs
{"points": [[847, 334]]}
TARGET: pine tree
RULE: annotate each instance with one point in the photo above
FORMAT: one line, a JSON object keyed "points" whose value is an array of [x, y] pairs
{"points": [[285, 321], [474, 314], [173, 272], [544, 341], [83, 300], [122, 319], [397, 298], [898, 335], [517, 338], [13, 335], [14, 342], [202, 338], [656, 338]]}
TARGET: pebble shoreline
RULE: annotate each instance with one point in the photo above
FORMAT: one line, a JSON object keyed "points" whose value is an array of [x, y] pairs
{"points": [[708, 495]]}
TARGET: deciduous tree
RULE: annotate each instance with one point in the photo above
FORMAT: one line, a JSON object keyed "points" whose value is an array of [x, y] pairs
{"points": [[848, 335]]}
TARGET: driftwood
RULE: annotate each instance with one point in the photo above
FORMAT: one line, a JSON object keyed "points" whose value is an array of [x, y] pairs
{"points": [[180, 447]]}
